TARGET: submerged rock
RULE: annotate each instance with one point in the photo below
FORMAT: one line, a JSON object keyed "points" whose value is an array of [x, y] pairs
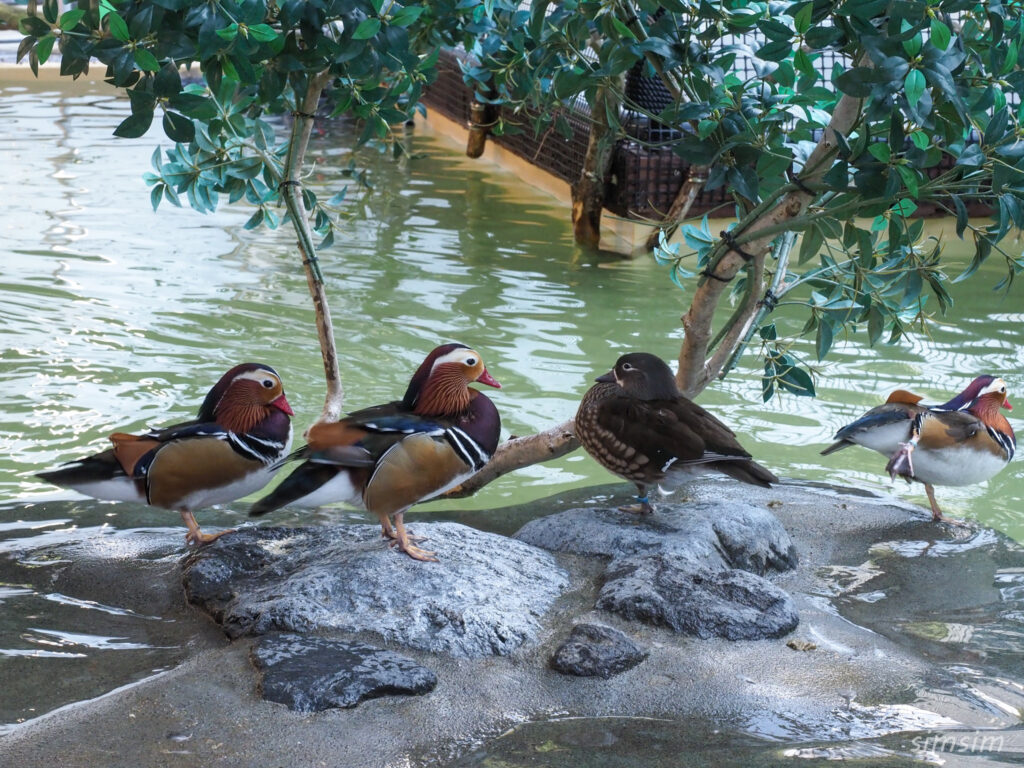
{"points": [[696, 568], [594, 650], [311, 674], [485, 597]]}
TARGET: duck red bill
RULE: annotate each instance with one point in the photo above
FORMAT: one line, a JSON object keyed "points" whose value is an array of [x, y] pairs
{"points": [[281, 404], [490, 381], [1006, 404]]}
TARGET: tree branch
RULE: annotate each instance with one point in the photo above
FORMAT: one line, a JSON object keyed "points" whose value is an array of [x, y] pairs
{"points": [[291, 190], [519, 452], [695, 370]]}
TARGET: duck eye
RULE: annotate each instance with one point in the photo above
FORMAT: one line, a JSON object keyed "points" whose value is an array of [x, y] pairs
{"points": [[470, 361], [268, 383], [627, 366]]}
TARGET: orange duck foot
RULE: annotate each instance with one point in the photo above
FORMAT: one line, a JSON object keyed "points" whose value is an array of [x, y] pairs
{"points": [[937, 516], [195, 535], [404, 542], [642, 507]]}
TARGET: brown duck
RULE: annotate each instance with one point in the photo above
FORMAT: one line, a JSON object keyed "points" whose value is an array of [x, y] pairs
{"points": [[639, 426]]}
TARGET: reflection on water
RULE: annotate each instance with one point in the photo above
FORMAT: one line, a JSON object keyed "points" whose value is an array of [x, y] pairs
{"points": [[652, 743], [116, 318]]}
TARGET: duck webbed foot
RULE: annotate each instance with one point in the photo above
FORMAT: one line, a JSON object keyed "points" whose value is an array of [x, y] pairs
{"points": [[195, 534], [643, 505], [405, 544], [937, 516]]}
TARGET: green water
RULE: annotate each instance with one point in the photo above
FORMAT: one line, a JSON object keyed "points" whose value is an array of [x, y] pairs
{"points": [[116, 318], [113, 317]]}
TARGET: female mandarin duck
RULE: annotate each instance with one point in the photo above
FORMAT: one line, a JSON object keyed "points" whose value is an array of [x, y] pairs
{"points": [[388, 457], [229, 451], [963, 441], [638, 425]]}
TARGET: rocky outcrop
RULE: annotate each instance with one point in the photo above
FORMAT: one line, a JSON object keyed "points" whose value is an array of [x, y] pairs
{"points": [[696, 569], [485, 597]]}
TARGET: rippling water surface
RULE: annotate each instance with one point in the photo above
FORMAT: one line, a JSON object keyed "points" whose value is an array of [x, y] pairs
{"points": [[114, 318]]}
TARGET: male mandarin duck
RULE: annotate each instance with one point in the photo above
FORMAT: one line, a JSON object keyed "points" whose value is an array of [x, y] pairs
{"points": [[639, 426], [963, 441], [388, 457], [230, 450]]}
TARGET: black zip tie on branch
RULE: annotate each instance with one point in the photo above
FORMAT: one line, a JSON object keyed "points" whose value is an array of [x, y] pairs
{"points": [[770, 300], [734, 246], [801, 185], [297, 113], [713, 276], [289, 183]]}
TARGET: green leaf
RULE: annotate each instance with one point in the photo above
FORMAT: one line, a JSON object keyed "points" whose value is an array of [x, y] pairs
{"points": [[50, 8], [880, 151], [768, 332], [178, 127], [256, 219], [913, 45], [797, 380], [117, 27], [622, 29], [135, 125], [909, 177], [904, 207], [156, 195], [146, 61], [264, 33], [940, 35], [802, 19], [920, 139], [408, 15], [69, 19], [913, 86], [367, 28], [823, 341], [44, 48], [228, 33]]}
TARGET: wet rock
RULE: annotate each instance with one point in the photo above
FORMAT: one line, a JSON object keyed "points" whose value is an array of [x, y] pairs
{"points": [[485, 597], [729, 603], [311, 674], [695, 568], [712, 534], [594, 650]]}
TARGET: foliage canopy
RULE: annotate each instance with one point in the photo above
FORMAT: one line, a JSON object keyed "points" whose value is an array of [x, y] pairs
{"points": [[836, 120]]}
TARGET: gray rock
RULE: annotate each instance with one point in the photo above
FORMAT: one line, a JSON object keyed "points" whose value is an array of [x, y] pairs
{"points": [[485, 597], [594, 650], [311, 674], [695, 568], [729, 603], [711, 534]]}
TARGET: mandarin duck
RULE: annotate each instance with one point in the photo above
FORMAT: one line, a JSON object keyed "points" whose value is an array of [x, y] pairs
{"points": [[388, 457], [638, 425], [963, 441], [231, 449]]}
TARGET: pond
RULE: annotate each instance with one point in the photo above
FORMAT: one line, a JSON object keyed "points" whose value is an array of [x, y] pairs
{"points": [[115, 318]]}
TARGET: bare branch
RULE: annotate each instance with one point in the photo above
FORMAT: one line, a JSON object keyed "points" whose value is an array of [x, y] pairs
{"points": [[291, 190], [519, 452]]}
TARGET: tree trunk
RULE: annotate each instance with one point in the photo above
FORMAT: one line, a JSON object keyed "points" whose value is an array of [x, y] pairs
{"points": [[589, 191], [680, 209], [291, 190], [695, 369]]}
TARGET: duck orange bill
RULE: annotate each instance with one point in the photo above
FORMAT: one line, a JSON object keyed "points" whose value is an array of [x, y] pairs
{"points": [[1006, 404], [281, 404], [490, 381]]}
